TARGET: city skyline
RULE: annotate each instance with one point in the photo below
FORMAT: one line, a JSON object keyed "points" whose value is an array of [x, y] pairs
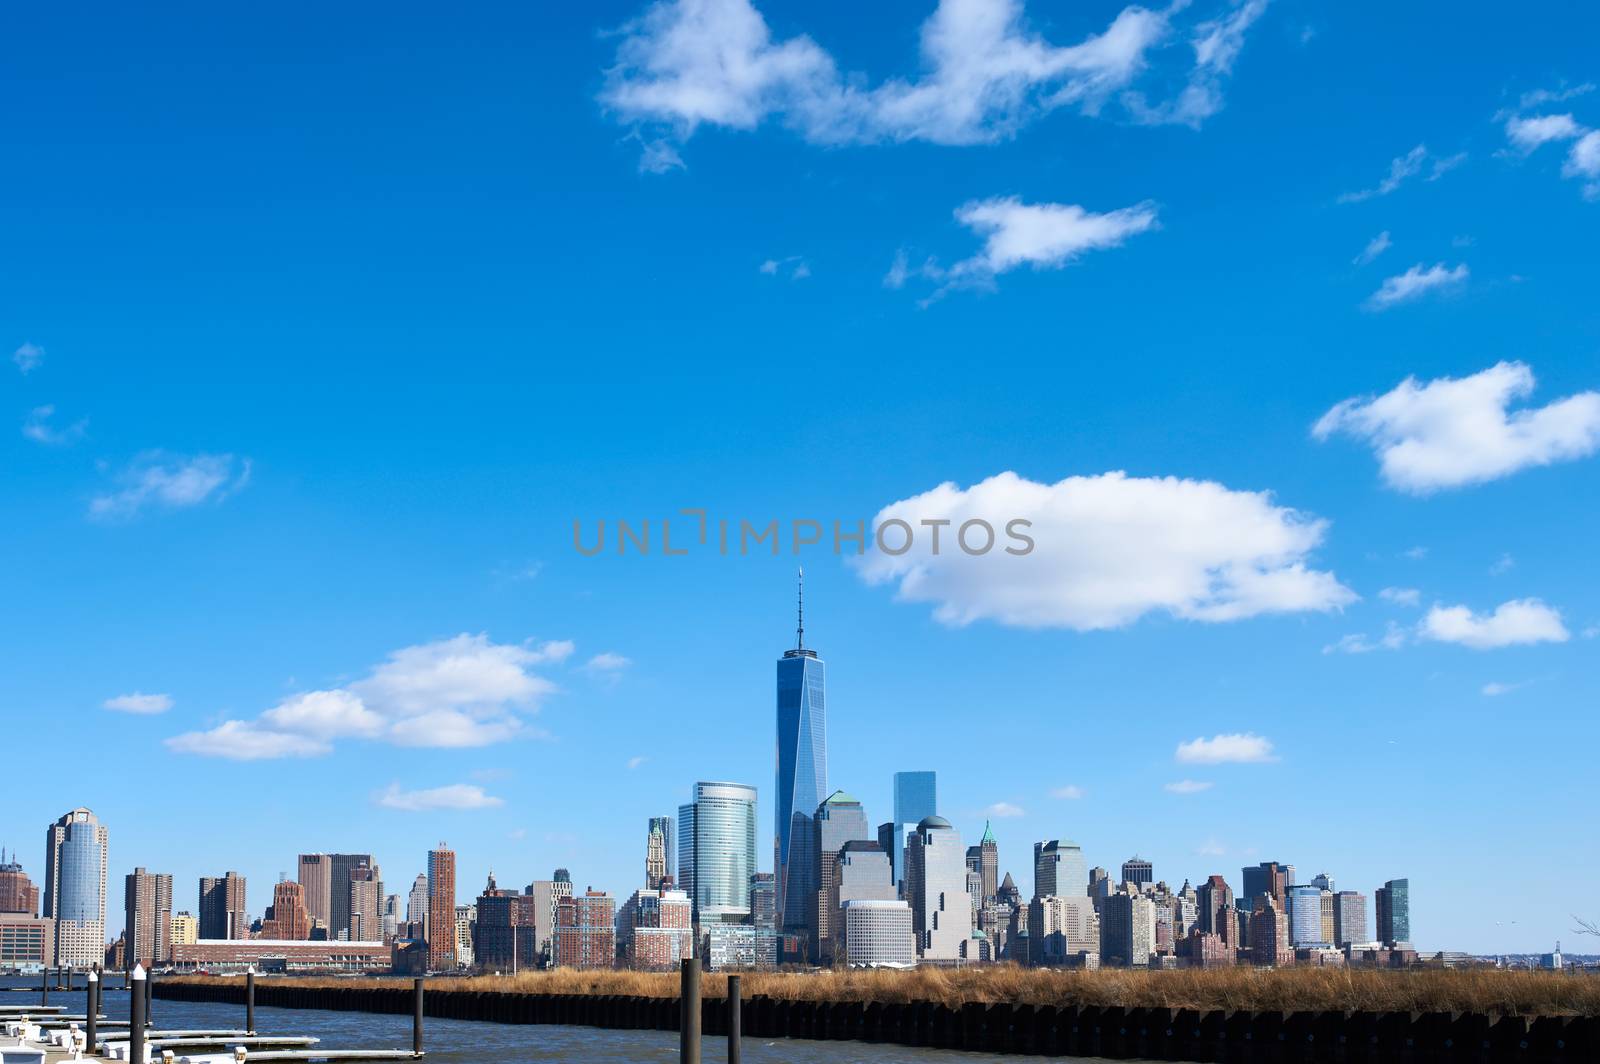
{"points": [[322, 379]]}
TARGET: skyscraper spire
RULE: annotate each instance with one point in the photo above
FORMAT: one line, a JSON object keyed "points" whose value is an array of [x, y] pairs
{"points": [[800, 616]]}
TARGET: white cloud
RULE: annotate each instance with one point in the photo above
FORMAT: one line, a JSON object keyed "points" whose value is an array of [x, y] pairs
{"points": [[1234, 748], [27, 357], [1405, 166], [1416, 283], [1070, 792], [1527, 134], [1108, 549], [1502, 565], [1393, 638], [1495, 690], [1375, 247], [1210, 848], [1188, 786], [239, 740], [687, 63], [1401, 596], [465, 691], [171, 481], [1540, 97], [794, 265], [138, 702], [1002, 810], [454, 796], [1516, 623], [1450, 432], [607, 662], [1045, 236], [635, 762], [39, 429]]}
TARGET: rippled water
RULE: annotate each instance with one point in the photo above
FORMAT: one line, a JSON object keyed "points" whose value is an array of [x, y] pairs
{"points": [[473, 1042]]}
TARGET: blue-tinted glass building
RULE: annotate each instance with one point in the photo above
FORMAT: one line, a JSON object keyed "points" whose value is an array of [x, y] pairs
{"points": [[802, 777], [916, 797], [717, 850], [1394, 912]]}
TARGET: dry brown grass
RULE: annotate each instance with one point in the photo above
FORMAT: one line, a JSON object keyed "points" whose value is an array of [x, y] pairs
{"points": [[1429, 990]]}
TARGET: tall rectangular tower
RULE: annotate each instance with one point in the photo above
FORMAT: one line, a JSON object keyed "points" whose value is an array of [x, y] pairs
{"points": [[442, 909], [75, 887], [802, 761], [316, 879], [148, 918], [916, 797]]}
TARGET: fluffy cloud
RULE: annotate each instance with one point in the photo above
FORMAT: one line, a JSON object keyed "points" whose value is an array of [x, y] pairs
{"points": [[1188, 786], [1108, 550], [139, 703], [455, 796], [1070, 792], [461, 692], [171, 481], [1375, 247], [1450, 432], [1003, 810], [27, 357], [1405, 167], [1416, 283], [687, 63], [1046, 236], [39, 428], [606, 661], [1529, 133], [1516, 623], [1235, 748]]}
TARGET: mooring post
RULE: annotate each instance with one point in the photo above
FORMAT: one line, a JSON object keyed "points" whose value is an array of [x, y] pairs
{"points": [[44, 988], [250, 999], [734, 1033], [92, 1013], [149, 996], [416, 1017], [136, 1014], [689, 1013]]}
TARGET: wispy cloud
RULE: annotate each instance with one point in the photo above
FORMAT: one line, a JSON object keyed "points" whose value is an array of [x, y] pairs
{"points": [[794, 267], [1003, 810], [635, 762], [39, 427], [1417, 282], [1210, 848], [1393, 638], [1401, 596], [1069, 792], [1188, 786], [1232, 748], [1414, 163], [1495, 690], [1375, 247], [27, 357], [138, 702], [456, 796], [158, 480], [607, 661]]}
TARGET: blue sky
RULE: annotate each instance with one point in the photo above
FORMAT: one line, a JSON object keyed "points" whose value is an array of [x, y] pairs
{"points": [[323, 327]]}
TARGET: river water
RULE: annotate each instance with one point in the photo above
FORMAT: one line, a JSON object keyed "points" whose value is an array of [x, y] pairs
{"points": [[473, 1042]]}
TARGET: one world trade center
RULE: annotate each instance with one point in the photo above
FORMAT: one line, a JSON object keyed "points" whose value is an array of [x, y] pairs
{"points": [[802, 773]]}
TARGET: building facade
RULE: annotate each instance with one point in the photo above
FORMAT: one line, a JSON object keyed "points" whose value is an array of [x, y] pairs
{"points": [[585, 932], [75, 888], [442, 909], [1349, 918], [717, 851], [267, 955], [1305, 917], [657, 852], [1059, 869], [1127, 929], [287, 919], [802, 774], [316, 881], [185, 929], [878, 933], [147, 926], [1394, 914], [839, 820], [18, 895], [223, 913], [1138, 871], [936, 887], [916, 797], [655, 930]]}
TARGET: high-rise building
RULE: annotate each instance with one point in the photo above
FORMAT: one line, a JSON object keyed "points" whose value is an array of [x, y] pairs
{"points": [[389, 921], [936, 887], [18, 895], [340, 868], [1062, 931], [26, 941], [465, 924], [1137, 870], [839, 820], [863, 874], [1269, 934], [442, 909], [655, 930], [878, 933], [658, 852], [505, 936], [223, 914], [1324, 881], [1349, 917], [365, 904], [148, 915], [1058, 869], [547, 895], [802, 772], [916, 797], [316, 881], [75, 887], [987, 864], [1305, 917], [1394, 913], [287, 919], [1268, 879], [717, 850], [1127, 929], [1215, 908], [185, 929], [417, 906], [585, 932]]}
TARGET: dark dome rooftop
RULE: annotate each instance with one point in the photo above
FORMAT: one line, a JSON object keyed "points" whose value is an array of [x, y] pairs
{"points": [[933, 822]]}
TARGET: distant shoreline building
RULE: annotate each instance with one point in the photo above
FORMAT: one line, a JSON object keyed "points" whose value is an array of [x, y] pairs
{"points": [[74, 894], [802, 774]]}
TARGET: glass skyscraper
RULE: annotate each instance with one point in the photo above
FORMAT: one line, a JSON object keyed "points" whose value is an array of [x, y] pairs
{"points": [[916, 796], [717, 850], [802, 774], [75, 887], [1394, 913]]}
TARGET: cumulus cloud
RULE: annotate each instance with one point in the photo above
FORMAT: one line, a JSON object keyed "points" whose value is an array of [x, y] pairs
{"points": [[1188, 786], [1070, 792], [607, 661], [1375, 247], [1401, 169], [1450, 432], [1401, 596], [466, 691], [1108, 550], [986, 73], [1528, 133], [137, 702], [1520, 622], [454, 796], [40, 428], [1045, 236], [1003, 810], [158, 480], [1233, 748], [1416, 283], [27, 357]]}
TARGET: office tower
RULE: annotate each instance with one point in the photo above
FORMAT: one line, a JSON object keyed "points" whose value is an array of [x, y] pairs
{"points": [[505, 935], [1324, 881], [655, 930], [989, 862], [148, 915], [465, 924], [222, 907], [764, 899], [658, 852], [717, 851], [916, 797], [802, 773], [585, 932], [878, 933], [316, 882], [185, 928], [1269, 934], [547, 895], [1062, 931], [417, 906], [18, 895], [936, 887], [888, 836], [1058, 869], [974, 885], [441, 909], [863, 874], [1127, 929], [1394, 913], [839, 820], [1329, 915], [365, 905], [1215, 907], [75, 888], [1268, 879], [1349, 917], [1137, 870], [287, 919], [1305, 917], [340, 868]]}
